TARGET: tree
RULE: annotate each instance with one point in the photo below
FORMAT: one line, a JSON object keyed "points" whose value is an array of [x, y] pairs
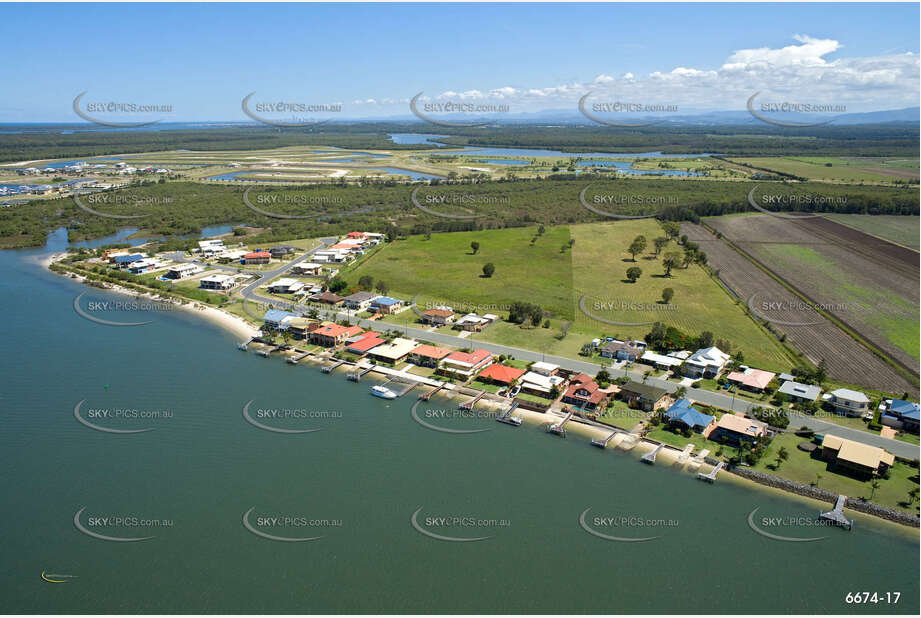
{"points": [[541, 230], [381, 287], [660, 243], [671, 228], [634, 273], [637, 246], [705, 340], [667, 295], [488, 269], [875, 486], [336, 284], [366, 282], [912, 495], [670, 261], [782, 456], [646, 375], [475, 246]]}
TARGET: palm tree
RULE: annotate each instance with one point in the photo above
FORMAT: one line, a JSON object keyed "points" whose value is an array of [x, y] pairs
{"points": [[912, 495], [782, 456], [874, 485]]}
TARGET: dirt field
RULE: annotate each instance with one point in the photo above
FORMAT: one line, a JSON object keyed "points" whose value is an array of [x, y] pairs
{"points": [[806, 329], [867, 283]]}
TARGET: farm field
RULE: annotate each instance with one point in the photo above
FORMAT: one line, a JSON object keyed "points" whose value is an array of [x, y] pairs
{"points": [[807, 330], [839, 169], [867, 283], [600, 260], [903, 230]]}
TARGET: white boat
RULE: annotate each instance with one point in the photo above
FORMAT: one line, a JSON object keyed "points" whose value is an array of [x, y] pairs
{"points": [[383, 392]]}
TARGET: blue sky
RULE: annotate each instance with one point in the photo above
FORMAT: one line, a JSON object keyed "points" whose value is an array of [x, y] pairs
{"points": [[203, 58]]}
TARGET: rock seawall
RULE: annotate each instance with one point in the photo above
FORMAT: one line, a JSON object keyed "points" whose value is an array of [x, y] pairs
{"points": [[821, 494]]}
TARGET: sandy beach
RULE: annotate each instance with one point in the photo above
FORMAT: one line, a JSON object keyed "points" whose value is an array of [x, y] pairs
{"points": [[236, 325]]}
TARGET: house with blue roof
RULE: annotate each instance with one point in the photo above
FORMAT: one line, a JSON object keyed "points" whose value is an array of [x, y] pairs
{"points": [[901, 414], [683, 413], [122, 261], [385, 304], [275, 319]]}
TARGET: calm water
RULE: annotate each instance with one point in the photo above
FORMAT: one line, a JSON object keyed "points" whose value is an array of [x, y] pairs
{"points": [[369, 470]]}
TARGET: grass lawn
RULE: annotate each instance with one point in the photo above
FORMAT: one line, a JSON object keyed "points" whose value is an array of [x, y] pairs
{"points": [[621, 415], [803, 468], [831, 169], [444, 269], [600, 261], [662, 434]]}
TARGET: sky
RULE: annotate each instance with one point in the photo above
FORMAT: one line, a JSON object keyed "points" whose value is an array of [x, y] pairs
{"points": [[371, 59]]}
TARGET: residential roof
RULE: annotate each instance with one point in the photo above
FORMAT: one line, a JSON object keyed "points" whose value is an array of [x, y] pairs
{"points": [[370, 340], [443, 313], [753, 378], [786, 377], [361, 297], [709, 356], [127, 259], [540, 382], [335, 330], [257, 254], [683, 411], [217, 278], [741, 424], [583, 387], [501, 373], [398, 348], [386, 301], [431, 351], [471, 359], [541, 366], [646, 391], [907, 409], [277, 315], [329, 297], [614, 346], [858, 452], [849, 395], [660, 359], [806, 391]]}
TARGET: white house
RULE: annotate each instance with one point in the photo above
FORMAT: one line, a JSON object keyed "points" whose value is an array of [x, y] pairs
{"points": [[182, 271], [849, 403], [285, 286], [216, 282], [705, 363]]}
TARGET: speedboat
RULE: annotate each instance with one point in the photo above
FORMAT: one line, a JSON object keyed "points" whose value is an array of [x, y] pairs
{"points": [[383, 392]]}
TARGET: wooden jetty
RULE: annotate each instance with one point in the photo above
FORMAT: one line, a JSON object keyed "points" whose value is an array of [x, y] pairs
{"points": [[409, 385], [468, 405], [356, 376], [428, 395], [244, 345], [329, 368], [603, 442], [836, 515], [507, 417], [711, 475], [650, 458], [296, 358], [560, 428]]}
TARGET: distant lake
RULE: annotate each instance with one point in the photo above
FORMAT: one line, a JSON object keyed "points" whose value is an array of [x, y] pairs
{"points": [[504, 161], [624, 166], [411, 174]]}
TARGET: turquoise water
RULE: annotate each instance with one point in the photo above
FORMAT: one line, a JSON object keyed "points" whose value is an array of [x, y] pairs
{"points": [[366, 472]]}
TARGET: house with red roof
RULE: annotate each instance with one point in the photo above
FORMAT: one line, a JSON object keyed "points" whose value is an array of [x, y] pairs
{"points": [[500, 374], [466, 364], [438, 317], [428, 355], [364, 343], [751, 379], [331, 335], [257, 257], [585, 393], [356, 235]]}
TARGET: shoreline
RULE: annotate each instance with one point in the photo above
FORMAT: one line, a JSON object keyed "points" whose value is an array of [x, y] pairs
{"points": [[238, 326], [229, 322]]}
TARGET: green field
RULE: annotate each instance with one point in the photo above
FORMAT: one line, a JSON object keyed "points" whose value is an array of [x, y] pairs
{"points": [[445, 270], [600, 261], [839, 169], [902, 230]]}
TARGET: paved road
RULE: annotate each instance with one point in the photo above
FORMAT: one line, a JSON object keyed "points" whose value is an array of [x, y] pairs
{"points": [[718, 400]]}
